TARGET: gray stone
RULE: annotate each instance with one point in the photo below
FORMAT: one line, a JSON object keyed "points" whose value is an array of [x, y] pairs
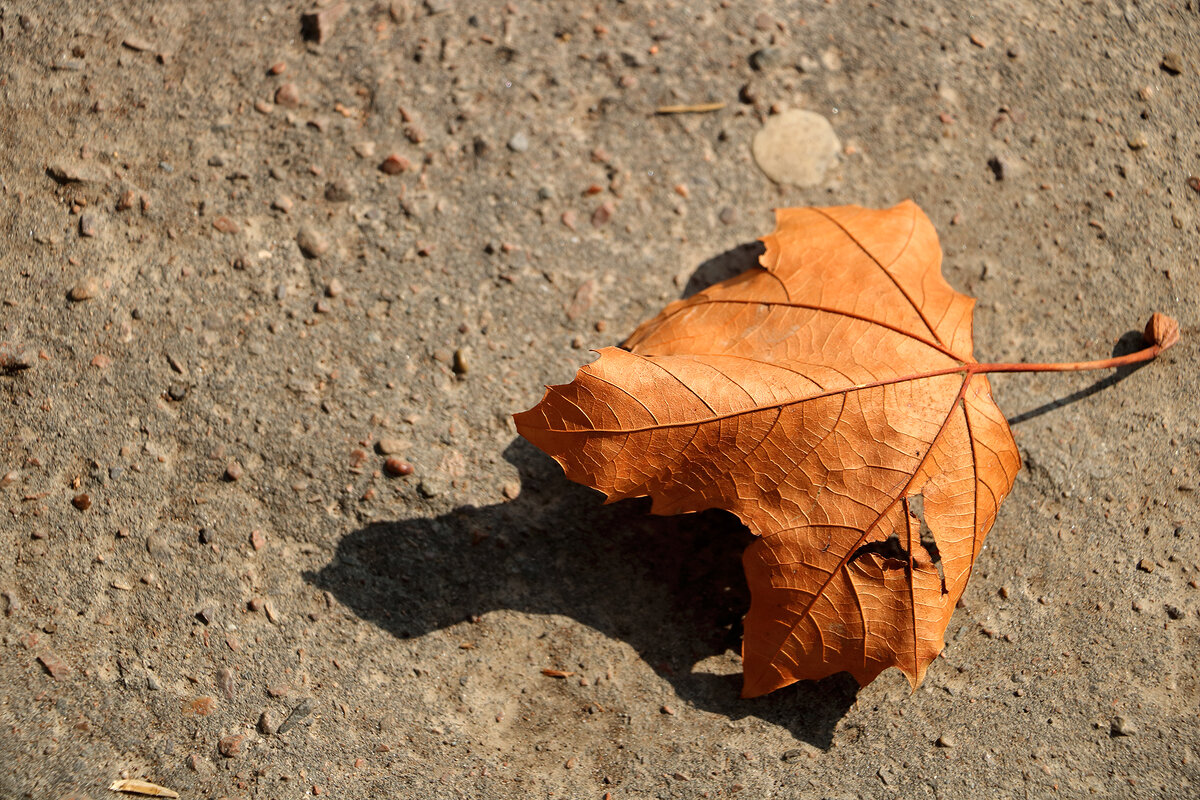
{"points": [[796, 147], [302, 710], [766, 59], [519, 142], [1123, 727]]}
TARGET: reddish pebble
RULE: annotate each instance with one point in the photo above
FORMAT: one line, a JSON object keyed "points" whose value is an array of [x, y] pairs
{"points": [[258, 539], [395, 164], [287, 96], [225, 225], [82, 502], [603, 214], [234, 471], [232, 746], [54, 666], [277, 68], [397, 467]]}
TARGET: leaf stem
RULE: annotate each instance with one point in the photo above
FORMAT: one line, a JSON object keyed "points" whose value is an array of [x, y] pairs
{"points": [[1140, 356]]}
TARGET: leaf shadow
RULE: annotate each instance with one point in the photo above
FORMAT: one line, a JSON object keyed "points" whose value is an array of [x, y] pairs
{"points": [[671, 587], [726, 265], [1130, 342]]}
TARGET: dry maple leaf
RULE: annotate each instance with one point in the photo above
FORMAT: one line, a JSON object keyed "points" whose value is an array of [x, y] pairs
{"points": [[829, 399]]}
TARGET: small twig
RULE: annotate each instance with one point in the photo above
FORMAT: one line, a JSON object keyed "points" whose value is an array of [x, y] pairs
{"points": [[694, 108]]}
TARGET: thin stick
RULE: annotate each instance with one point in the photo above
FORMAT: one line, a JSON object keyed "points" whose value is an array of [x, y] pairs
{"points": [[695, 108]]}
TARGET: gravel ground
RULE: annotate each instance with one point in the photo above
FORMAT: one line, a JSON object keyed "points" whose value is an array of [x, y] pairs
{"points": [[271, 286]]}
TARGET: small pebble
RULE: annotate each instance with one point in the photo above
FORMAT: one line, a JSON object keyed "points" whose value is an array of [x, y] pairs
{"points": [[1172, 63], [766, 59], [512, 490], [339, 191], [268, 723], [312, 243], [519, 142], [158, 546], [461, 363], [287, 96], [278, 68], [86, 289], [317, 26], [282, 203], [389, 446], [55, 667], [225, 225], [394, 164], [234, 471], [728, 215], [1123, 727], [946, 740], [397, 467], [334, 288], [415, 133], [225, 682], [1146, 565], [82, 502], [137, 44], [88, 225], [232, 746], [603, 213], [258, 539], [999, 166], [207, 614]]}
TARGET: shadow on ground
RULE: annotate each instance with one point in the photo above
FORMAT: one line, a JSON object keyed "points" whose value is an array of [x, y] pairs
{"points": [[672, 587]]}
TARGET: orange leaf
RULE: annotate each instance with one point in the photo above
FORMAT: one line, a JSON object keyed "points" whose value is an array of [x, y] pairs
{"points": [[831, 401]]}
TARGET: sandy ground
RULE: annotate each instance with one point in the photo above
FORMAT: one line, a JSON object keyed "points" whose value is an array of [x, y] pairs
{"points": [[251, 606]]}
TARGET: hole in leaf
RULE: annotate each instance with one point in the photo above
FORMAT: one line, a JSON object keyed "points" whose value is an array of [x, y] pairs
{"points": [[916, 507], [893, 553]]}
